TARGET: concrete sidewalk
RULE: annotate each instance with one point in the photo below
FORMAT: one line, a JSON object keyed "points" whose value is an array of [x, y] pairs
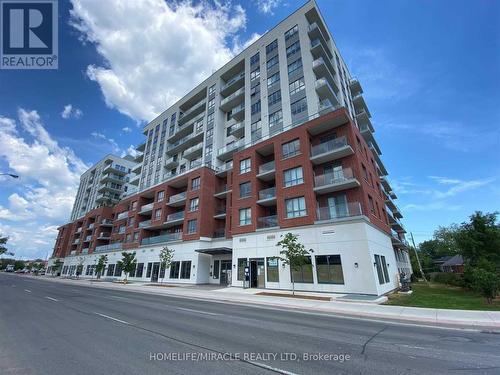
{"points": [[433, 317]]}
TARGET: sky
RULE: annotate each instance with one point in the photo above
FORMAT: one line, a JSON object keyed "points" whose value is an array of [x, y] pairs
{"points": [[430, 71]]}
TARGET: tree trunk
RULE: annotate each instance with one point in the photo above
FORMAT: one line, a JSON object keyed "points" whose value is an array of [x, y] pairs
{"points": [[293, 285]]}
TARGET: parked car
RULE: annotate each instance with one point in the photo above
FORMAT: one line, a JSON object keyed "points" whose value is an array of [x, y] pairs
{"points": [[10, 268]]}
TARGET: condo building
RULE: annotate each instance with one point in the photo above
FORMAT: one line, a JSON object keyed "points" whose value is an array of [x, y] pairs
{"points": [[278, 140]]}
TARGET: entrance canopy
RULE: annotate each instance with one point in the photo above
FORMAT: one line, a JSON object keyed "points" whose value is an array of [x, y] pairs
{"points": [[216, 251]]}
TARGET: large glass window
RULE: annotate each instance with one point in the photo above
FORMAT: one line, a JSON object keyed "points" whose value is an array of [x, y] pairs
{"points": [[299, 106], [304, 273], [380, 274], [245, 165], [195, 183], [384, 268], [111, 270], [295, 207], [245, 189], [293, 176], [215, 273], [272, 270], [294, 30], [242, 262], [174, 270], [274, 98], [245, 216], [293, 49], [186, 269], [140, 268], [254, 59], [255, 107], [276, 118], [275, 78], [272, 62], [272, 46], [296, 65], [255, 74], [193, 204], [291, 148], [329, 269], [297, 86], [191, 226]]}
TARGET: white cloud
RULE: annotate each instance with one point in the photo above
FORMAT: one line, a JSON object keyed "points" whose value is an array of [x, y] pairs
{"points": [[130, 151], [127, 129], [114, 146], [267, 6], [70, 112], [175, 46], [44, 193]]}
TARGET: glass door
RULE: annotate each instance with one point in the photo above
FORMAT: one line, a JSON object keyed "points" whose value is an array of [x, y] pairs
{"points": [[337, 206]]}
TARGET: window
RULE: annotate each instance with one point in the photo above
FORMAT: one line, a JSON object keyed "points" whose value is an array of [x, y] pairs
{"points": [[297, 86], [162, 272], [299, 106], [254, 59], [186, 269], [255, 74], [111, 270], [379, 270], [211, 91], [294, 30], [370, 203], [255, 107], [134, 205], [193, 204], [291, 148], [245, 189], [275, 78], [275, 118], [195, 183], [139, 269], [293, 49], [292, 67], [245, 216], [274, 98], [304, 273], [272, 270], [384, 268], [245, 165], [272, 46], [136, 236], [174, 270], [242, 263], [128, 237], [272, 62], [191, 226], [160, 196], [329, 269], [158, 214], [255, 128], [118, 270], [293, 177], [215, 273], [211, 104], [365, 173], [295, 207]]}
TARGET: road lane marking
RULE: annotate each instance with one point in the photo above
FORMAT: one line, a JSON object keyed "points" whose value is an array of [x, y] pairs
{"points": [[110, 317], [274, 369], [196, 311], [27, 290], [52, 299]]}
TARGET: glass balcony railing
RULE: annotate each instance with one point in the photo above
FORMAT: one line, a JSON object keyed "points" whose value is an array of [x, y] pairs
{"points": [[177, 197], [232, 96], [145, 224], [267, 222], [233, 80], [329, 146], [220, 233], [221, 189], [122, 215], [110, 247], [267, 193], [336, 177], [339, 211], [147, 207], [162, 238], [267, 167], [231, 147], [176, 216]]}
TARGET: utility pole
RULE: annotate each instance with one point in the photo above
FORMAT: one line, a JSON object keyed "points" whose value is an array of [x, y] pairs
{"points": [[418, 259]]}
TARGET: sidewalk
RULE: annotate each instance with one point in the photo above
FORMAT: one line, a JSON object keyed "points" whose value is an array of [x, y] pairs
{"points": [[432, 317]]}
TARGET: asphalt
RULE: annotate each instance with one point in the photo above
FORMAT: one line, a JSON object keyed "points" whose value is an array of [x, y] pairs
{"points": [[55, 328]]}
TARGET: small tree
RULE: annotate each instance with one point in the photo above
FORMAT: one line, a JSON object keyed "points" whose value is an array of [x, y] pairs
{"points": [[79, 267], [166, 256], [127, 264], [293, 254], [3, 249], [486, 282], [101, 265], [56, 266]]}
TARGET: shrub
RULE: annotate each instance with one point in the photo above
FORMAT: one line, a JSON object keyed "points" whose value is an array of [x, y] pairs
{"points": [[448, 278], [486, 282]]}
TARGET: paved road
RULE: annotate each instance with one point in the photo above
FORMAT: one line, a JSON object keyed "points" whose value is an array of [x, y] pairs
{"points": [[52, 328]]}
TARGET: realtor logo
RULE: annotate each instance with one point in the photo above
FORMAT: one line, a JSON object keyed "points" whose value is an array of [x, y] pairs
{"points": [[28, 34]]}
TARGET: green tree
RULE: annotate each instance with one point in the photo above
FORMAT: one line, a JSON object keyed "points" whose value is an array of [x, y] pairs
{"points": [[56, 266], [3, 248], [19, 265], [486, 283], [127, 264], [293, 253], [166, 256], [101, 265]]}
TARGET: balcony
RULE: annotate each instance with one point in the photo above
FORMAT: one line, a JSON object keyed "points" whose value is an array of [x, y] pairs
{"points": [[315, 31], [113, 177], [267, 222], [237, 129], [79, 230], [398, 240], [177, 236], [76, 242], [233, 99], [121, 230], [233, 84], [186, 129], [320, 48], [326, 91], [223, 169], [324, 69], [88, 239], [139, 157], [103, 236], [141, 146], [122, 215], [359, 103], [355, 86], [396, 212], [191, 112], [222, 191], [110, 186], [238, 112], [174, 219], [220, 212], [267, 171], [145, 224], [115, 168], [339, 212], [135, 180], [110, 247], [85, 250], [106, 222], [219, 233], [146, 209], [185, 142], [177, 200], [193, 152], [137, 169], [171, 162], [331, 150], [267, 197], [227, 152], [363, 117], [91, 226], [338, 180], [366, 131], [385, 184]]}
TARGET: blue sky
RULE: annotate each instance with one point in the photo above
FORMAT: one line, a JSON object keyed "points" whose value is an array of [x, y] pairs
{"points": [[430, 71]]}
